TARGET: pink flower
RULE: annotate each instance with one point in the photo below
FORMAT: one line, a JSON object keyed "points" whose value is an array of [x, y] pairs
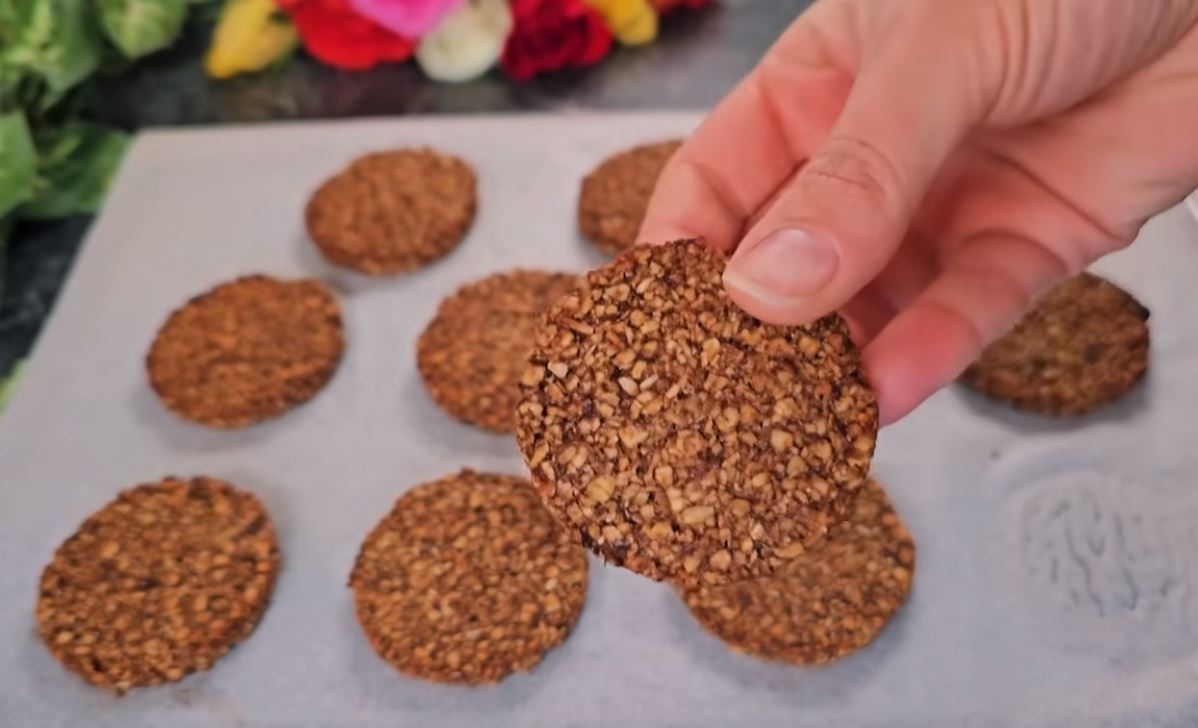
{"points": [[405, 18]]}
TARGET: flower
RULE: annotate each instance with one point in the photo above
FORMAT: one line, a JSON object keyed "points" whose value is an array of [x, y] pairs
{"points": [[552, 34], [467, 42], [633, 22], [665, 6], [250, 35], [406, 18], [332, 32]]}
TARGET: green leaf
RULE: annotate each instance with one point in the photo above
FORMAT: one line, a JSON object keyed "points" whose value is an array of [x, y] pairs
{"points": [[18, 161], [140, 27], [77, 163], [54, 40]]}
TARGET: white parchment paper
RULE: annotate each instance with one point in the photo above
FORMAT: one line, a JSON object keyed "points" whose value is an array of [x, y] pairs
{"points": [[1057, 575]]}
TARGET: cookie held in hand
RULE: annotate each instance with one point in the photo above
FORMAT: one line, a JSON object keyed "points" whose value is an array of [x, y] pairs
{"points": [[678, 436]]}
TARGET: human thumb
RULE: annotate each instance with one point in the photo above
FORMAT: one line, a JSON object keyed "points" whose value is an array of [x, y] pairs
{"points": [[843, 215]]}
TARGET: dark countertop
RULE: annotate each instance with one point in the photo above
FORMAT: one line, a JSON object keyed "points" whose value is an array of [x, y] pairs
{"points": [[696, 60]]}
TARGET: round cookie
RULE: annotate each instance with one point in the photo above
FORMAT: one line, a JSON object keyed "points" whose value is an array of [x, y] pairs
{"points": [[247, 350], [468, 580], [615, 195], [392, 212], [159, 583], [471, 355], [1082, 346], [828, 602], [680, 437]]}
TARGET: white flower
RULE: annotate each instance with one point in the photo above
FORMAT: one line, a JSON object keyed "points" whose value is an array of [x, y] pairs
{"points": [[467, 42]]}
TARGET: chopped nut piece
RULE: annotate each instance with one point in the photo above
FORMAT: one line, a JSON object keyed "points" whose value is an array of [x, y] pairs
{"points": [[601, 488], [781, 440], [791, 550], [721, 560]]}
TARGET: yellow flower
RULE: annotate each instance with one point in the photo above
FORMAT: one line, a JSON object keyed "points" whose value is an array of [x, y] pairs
{"points": [[632, 22], [251, 35]]}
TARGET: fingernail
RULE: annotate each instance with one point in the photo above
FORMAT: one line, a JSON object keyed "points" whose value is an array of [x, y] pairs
{"points": [[787, 264]]}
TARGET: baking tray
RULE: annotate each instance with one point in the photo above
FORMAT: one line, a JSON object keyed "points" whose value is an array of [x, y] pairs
{"points": [[1057, 564]]}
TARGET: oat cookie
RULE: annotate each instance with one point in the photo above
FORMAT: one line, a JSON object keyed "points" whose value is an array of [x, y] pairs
{"points": [[828, 602], [467, 580], [159, 583], [247, 350], [1084, 345], [681, 438], [392, 212], [615, 195], [472, 353]]}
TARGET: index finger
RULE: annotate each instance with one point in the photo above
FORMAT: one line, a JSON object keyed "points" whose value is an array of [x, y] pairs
{"points": [[752, 142]]}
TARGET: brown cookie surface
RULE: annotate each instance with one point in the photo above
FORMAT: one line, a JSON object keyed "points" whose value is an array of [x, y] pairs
{"points": [[828, 602], [392, 212], [1083, 345], [467, 580], [472, 353], [159, 583], [615, 195], [247, 351], [681, 438]]}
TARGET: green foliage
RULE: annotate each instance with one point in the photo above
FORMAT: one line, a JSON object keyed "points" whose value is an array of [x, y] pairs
{"points": [[140, 27], [19, 167], [75, 165], [55, 42], [52, 164]]}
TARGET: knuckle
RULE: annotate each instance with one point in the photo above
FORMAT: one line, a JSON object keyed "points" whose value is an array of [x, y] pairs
{"points": [[857, 170]]}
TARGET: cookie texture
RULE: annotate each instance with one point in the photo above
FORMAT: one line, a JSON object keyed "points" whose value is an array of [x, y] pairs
{"points": [[472, 353], [393, 212], [247, 350], [828, 602], [1084, 345], [615, 195], [678, 436], [467, 580], [159, 583]]}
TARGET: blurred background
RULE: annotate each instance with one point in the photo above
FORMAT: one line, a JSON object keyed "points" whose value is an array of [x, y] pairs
{"points": [[79, 77]]}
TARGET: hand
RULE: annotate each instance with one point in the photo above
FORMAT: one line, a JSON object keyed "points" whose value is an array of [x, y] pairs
{"points": [[926, 167]]}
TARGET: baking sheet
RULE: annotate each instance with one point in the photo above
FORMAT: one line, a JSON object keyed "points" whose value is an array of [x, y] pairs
{"points": [[1057, 566]]}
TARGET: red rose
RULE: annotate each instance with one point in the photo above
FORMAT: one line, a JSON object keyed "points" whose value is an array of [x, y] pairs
{"points": [[551, 34], [335, 34], [665, 6]]}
